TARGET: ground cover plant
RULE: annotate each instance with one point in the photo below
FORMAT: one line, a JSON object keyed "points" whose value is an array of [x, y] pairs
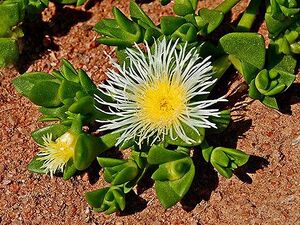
{"points": [[139, 107]]}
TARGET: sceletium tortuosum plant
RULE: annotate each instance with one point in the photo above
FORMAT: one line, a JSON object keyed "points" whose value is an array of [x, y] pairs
{"points": [[162, 108], [156, 101], [13, 14]]}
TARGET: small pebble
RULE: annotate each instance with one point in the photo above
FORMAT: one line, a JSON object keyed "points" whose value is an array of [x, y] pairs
{"points": [[296, 141], [6, 182]]}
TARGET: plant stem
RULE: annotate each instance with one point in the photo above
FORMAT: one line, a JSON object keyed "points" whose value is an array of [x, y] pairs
{"points": [[226, 6], [249, 16]]}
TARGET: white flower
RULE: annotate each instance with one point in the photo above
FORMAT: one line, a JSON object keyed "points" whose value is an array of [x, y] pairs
{"points": [[56, 154], [159, 92]]}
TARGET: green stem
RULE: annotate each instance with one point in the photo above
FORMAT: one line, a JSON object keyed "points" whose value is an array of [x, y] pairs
{"points": [[226, 6], [249, 16]]}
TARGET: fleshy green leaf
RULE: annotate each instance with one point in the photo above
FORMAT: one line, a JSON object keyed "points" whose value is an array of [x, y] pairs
{"points": [[45, 93], [169, 24], [208, 20], [184, 7], [9, 51], [247, 47], [25, 82], [173, 180], [69, 170], [108, 200], [86, 150], [197, 137], [56, 130], [159, 155], [35, 166]]}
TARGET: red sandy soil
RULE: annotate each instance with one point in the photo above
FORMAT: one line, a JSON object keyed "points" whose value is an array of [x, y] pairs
{"points": [[266, 191]]}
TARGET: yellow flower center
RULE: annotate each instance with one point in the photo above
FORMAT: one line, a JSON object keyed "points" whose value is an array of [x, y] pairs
{"points": [[162, 102]]}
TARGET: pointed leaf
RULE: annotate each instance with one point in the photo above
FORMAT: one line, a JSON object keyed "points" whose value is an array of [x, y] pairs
{"points": [[248, 47], [35, 166], [159, 155], [56, 130], [26, 81]]}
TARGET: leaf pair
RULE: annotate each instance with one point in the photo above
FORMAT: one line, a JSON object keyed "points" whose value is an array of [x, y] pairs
{"points": [[224, 160], [123, 175], [174, 175], [267, 84], [108, 200]]}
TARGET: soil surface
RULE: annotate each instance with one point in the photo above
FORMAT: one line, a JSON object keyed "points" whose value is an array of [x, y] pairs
{"points": [[265, 191]]}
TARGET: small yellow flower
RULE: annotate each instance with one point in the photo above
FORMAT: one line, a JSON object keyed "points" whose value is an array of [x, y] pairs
{"points": [[56, 154]]}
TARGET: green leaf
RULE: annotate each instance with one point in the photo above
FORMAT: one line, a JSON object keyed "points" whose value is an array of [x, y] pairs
{"points": [[26, 81], [117, 171], [197, 137], [184, 7], [83, 106], [225, 160], [69, 170], [224, 171], [108, 141], [166, 195], [10, 17], [270, 102], [171, 191], [86, 151], [208, 20], [127, 174], [110, 162], [206, 152], [95, 198], [159, 155], [187, 32], [123, 22], [240, 158], [45, 93], [138, 14], [253, 92], [247, 47], [284, 63], [107, 199], [68, 89], [58, 113], [68, 71], [9, 51], [221, 122], [56, 130], [35, 166], [173, 170], [86, 83], [169, 24]]}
